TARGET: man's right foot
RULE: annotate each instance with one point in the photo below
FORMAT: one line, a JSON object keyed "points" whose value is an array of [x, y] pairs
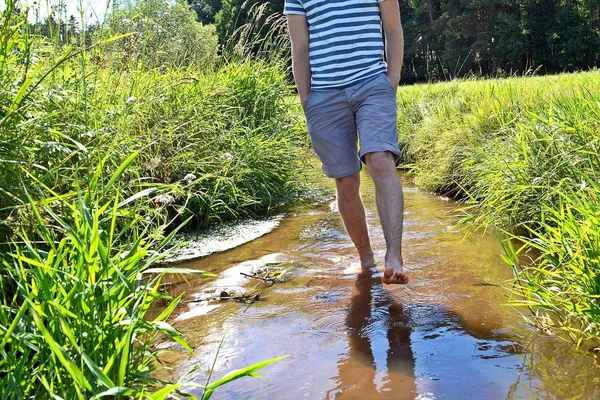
{"points": [[395, 276]]}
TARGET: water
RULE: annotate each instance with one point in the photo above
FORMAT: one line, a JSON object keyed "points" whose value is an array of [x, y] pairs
{"points": [[447, 335]]}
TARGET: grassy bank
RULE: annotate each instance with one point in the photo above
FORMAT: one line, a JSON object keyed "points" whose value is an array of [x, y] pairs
{"points": [[111, 139], [523, 154]]}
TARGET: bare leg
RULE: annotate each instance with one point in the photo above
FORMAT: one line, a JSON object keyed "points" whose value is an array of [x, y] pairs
{"points": [[352, 211], [390, 205]]}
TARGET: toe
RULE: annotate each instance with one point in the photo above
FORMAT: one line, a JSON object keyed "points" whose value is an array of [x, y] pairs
{"points": [[392, 277]]}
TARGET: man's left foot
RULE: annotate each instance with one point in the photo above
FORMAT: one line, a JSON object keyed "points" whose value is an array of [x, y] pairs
{"points": [[395, 276]]}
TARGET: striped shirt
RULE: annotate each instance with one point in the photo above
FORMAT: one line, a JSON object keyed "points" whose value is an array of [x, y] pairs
{"points": [[345, 40]]}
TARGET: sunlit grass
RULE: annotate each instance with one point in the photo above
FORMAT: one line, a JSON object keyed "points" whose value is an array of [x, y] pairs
{"points": [[108, 146], [74, 296], [523, 155], [561, 285]]}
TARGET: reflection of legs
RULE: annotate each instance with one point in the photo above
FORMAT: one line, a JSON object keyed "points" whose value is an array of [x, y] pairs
{"points": [[359, 315], [390, 205], [356, 372], [400, 357], [352, 211]]}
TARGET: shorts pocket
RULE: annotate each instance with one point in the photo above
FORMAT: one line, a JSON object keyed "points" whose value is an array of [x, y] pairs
{"points": [[387, 81], [310, 100], [309, 97]]}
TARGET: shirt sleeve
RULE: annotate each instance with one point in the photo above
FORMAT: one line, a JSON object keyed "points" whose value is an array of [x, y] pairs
{"points": [[294, 7]]}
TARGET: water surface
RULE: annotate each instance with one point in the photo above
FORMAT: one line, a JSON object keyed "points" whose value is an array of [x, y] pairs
{"points": [[446, 335]]}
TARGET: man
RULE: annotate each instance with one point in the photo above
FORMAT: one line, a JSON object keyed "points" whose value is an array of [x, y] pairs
{"points": [[345, 86]]}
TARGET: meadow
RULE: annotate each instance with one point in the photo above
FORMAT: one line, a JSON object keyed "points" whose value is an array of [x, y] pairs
{"points": [[522, 155], [112, 139]]}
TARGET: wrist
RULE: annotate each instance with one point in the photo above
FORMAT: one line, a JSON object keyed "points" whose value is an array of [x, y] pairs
{"points": [[394, 77]]}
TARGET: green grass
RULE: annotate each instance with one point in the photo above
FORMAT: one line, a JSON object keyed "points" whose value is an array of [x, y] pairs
{"points": [[228, 131], [74, 297], [523, 155], [109, 143], [561, 285]]}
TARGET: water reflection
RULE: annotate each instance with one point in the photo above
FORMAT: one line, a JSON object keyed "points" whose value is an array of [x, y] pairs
{"points": [[448, 335], [380, 359]]}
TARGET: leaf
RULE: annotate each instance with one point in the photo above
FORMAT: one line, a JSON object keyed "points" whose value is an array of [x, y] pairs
{"points": [[12, 327], [125, 354], [138, 195], [100, 375], [20, 95], [164, 392], [165, 327], [124, 165], [115, 391], [238, 373], [168, 310], [60, 353], [115, 38]]}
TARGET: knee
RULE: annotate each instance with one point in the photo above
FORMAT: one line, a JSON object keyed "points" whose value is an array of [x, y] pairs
{"points": [[348, 186], [380, 164]]}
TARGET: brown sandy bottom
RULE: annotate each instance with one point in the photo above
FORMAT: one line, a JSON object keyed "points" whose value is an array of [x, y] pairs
{"points": [[448, 334]]}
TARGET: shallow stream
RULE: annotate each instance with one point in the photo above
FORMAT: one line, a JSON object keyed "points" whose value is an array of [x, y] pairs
{"points": [[447, 335]]}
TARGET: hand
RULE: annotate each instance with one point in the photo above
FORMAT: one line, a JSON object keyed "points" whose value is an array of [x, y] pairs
{"points": [[303, 100], [394, 80]]}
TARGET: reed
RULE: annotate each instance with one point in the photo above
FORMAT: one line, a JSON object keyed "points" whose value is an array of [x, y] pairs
{"points": [[111, 141], [522, 154], [74, 297]]}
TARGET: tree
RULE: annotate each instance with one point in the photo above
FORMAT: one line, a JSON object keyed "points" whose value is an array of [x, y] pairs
{"points": [[206, 9], [235, 13]]}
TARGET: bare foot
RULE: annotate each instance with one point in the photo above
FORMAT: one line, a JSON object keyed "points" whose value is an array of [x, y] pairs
{"points": [[393, 276]]}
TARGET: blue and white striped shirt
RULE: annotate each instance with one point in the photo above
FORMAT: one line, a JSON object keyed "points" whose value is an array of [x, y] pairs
{"points": [[345, 40]]}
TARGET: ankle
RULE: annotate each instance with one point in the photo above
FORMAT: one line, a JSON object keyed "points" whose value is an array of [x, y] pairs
{"points": [[393, 260], [367, 258]]}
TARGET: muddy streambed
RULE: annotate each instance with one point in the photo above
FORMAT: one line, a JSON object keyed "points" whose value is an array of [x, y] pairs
{"points": [[447, 335]]}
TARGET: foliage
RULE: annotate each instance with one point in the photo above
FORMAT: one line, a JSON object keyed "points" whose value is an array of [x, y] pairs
{"points": [[73, 305], [100, 160], [561, 286], [237, 374], [264, 36], [445, 39], [449, 38], [503, 142], [523, 155], [235, 13], [166, 34], [230, 130], [230, 133], [206, 10]]}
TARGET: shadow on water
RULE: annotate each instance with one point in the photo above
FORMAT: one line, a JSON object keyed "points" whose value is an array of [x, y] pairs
{"points": [[382, 331], [379, 338]]}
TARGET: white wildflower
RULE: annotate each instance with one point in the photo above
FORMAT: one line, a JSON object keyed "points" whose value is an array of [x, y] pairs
{"points": [[164, 199], [153, 163], [227, 156], [189, 177], [130, 100]]}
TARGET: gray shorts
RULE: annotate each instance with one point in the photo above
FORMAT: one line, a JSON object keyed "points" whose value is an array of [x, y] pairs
{"points": [[334, 116]]}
